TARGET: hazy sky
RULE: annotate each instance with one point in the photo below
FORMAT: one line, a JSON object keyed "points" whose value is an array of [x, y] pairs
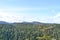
{"points": [[30, 10]]}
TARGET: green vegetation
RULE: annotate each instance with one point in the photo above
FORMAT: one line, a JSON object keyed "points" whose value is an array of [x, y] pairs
{"points": [[28, 31]]}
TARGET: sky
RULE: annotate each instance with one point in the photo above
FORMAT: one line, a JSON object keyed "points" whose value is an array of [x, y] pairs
{"points": [[47, 11]]}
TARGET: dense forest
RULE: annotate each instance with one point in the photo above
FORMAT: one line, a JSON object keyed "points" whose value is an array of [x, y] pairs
{"points": [[29, 31]]}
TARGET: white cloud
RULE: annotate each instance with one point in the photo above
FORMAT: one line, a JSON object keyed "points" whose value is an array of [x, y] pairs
{"points": [[56, 18], [14, 17], [53, 19], [21, 9], [11, 16], [15, 9]]}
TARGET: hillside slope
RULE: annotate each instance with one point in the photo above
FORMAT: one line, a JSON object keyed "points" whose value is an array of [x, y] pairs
{"points": [[29, 31]]}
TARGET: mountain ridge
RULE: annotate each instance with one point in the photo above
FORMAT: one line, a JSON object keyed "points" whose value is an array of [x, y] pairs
{"points": [[34, 22]]}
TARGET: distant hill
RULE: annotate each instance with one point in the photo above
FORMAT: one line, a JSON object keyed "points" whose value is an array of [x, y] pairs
{"points": [[3, 22], [34, 22]]}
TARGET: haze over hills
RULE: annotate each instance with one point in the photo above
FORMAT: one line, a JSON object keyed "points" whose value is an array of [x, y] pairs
{"points": [[34, 22], [3, 22]]}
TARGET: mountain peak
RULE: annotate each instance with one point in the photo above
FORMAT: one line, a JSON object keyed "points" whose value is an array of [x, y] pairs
{"points": [[3, 22]]}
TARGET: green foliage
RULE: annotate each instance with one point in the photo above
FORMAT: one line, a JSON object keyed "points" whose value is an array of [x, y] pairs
{"points": [[20, 31]]}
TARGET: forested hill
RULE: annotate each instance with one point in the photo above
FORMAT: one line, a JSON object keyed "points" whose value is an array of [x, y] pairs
{"points": [[29, 31]]}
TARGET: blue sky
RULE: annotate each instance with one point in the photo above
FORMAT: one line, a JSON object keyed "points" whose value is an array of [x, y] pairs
{"points": [[47, 11]]}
